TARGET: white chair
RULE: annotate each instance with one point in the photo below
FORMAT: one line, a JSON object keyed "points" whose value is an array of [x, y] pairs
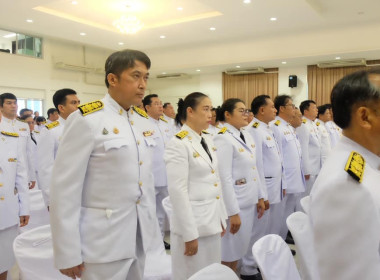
{"points": [[158, 267], [305, 204], [39, 215], [34, 255], [215, 271], [299, 225], [274, 258]]}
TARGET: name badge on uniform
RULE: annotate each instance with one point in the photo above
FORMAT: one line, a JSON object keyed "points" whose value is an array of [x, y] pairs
{"points": [[214, 149], [242, 181], [12, 160], [147, 133], [195, 155]]}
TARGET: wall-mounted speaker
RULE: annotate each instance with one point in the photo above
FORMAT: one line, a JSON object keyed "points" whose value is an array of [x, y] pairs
{"points": [[292, 81]]}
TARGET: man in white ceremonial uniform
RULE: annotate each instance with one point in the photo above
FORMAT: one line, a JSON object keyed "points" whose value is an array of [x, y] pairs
{"points": [[66, 102], [324, 136], [102, 185], [53, 115], [345, 199], [290, 149], [334, 131], [162, 134], [269, 166], [310, 143], [14, 194], [169, 114]]}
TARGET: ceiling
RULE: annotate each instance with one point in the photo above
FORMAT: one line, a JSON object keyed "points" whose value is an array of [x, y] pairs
{"points": [[189, 28]]}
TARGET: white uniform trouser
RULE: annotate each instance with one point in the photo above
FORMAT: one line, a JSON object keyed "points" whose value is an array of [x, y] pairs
{"points": [[7, 257], [127, 269], [276, 218], [292, 204], [161, 193], [309, 184], [248, 264], [209, 252]]}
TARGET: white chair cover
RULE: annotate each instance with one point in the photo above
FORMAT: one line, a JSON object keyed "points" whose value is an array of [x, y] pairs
{"points": [[299, 225], [274, 258], [305, 204], [39, 215], [34, 255], [215, 271], [158, 267]]}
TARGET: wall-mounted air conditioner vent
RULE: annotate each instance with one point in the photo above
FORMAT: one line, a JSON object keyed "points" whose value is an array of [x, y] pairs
{"points": [[173, 76], [74, 67], [243, 71], [342, 63]]}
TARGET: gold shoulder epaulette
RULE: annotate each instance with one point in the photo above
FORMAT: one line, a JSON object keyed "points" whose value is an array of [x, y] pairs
{"points": [[205, 132], [277, 123], [317, 123], [20, 120], [163, 119], [91, 107], [52, 125], [304, 120], [256, 125], [36, 131], [140, 112], [355, 166], [13, 134], [182, 134], [223, 130]]}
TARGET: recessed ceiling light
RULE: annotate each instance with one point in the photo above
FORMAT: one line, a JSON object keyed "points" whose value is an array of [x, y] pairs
{"points": [[273, 19], [163, 73], [29, 20], [338, 57], [82, 34], [121, 43], [10, 35], [179, 8], [198, 70], [237, 66], [284, 62], [74, 2], [212, 28], [162, 36], [247, 1]]}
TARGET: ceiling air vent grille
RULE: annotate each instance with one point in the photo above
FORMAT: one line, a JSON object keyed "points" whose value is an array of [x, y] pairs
{"points": [[342, 63], [244, 71]]}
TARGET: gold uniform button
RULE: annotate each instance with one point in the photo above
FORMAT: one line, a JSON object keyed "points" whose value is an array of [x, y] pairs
{"points": [[2, 198], [215, 185], [217, 197], [213, 171], [254, 179], [138, 201], [132, 122], [121, 111], [138, 142], [140, 162], [140, 183], [1, 184], [253, 168]]}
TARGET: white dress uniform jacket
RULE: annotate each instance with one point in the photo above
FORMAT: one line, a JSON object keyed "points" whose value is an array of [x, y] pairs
{"points": [[334, 131], [47, 149], [310, 147], [14, 192], [269, 161], [345, 214], [240, 185], [194, 186], [102, 186], [290, 149], [324, 138]]}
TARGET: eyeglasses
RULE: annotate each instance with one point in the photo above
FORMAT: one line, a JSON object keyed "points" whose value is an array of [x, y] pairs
{"points": [[243, 112], [157, 104], [292, 105]]}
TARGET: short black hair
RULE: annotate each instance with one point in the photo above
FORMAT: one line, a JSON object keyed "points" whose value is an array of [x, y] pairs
{"points": [[259, 101], [119, 61], [23, 118], [353, 89], [166, 104], [6, 95], [305, 105], [40, 119], [22, 111], [51, 111], [59, 97], [191, 100], [228, 106], [322, 109], [148, 100], [281, 100]]}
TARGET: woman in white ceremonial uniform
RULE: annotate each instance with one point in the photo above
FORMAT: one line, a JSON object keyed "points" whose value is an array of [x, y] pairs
{"points": [[199, 215], [240, 180]]}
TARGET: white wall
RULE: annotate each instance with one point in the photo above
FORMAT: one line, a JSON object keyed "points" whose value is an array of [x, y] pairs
{"points": [[299, 93], [29, 77]]}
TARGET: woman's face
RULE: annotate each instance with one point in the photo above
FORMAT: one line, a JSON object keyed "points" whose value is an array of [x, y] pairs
{"points": [[239, 116], [213, 118], [201, 114]]}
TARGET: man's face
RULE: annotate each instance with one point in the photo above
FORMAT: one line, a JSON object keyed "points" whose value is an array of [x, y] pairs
{"points": [[269, 111], [129, 88], [312, 112], [9, 109], [155, 109], [296, 121], [53, 117], [289, 110], [169, 111], [30, 122], [326, 116], [71, 105]]}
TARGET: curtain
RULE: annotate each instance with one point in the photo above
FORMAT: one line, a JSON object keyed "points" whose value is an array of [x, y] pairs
{"points": [[322, 80], [248, 86]]}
